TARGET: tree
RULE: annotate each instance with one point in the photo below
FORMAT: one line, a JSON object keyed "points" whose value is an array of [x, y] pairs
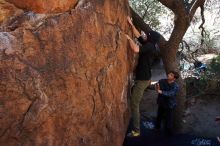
{"points": [[149, 11], [183, 10]]}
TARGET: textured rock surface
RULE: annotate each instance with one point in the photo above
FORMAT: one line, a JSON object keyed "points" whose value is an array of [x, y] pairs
{"points": [[64, 77], [7, 11], [45, 6]]}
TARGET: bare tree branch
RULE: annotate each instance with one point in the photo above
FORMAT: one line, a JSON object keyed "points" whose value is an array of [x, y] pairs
{"points": [[194, 7], [168, 3], [189, 56], [201, 26], [186, 44], [139, 23], [177, 6], [191, 4]]}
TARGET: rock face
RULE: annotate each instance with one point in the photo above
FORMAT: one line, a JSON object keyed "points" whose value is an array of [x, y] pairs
{"points": [[45, 6], [7, 11], [64, 77]]}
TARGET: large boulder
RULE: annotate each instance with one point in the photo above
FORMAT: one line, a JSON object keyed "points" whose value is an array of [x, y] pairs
{"points": [[64, 77], [45, 6]]}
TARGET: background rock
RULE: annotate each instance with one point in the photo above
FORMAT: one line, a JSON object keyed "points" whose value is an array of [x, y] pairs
{"points": [[64, 77]]}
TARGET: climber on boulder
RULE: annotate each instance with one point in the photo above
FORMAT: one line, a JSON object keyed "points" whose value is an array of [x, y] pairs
{"points": [[146, 50]]}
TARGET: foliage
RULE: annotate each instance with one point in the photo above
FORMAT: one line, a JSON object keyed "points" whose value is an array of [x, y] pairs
{"points": [[195, 86], [213, 5], [215, 67], [149, 10], [208, 44], [212, 29], [207, 82]]}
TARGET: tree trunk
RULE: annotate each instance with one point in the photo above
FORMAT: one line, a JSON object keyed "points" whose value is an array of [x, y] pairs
{"points": [[170, 63]]}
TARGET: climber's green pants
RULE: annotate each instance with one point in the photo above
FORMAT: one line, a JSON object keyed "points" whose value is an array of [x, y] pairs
{"points": [[136, 95]]}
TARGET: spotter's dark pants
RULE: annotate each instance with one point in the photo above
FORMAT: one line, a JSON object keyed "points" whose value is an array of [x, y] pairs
{"points": [[165, 114]]}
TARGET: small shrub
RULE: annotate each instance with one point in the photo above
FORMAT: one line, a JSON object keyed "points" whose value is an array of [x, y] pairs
{"points": [[215, 67]]}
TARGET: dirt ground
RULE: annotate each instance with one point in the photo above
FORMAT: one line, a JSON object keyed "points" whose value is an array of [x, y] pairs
{"points": [[199, 119], [200, 115]]}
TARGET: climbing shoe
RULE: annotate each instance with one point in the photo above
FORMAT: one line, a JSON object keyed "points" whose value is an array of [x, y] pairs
{"points": [[133, 134]]}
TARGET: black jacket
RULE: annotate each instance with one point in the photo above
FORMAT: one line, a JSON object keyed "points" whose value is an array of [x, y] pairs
{"points": [[147, 50]]}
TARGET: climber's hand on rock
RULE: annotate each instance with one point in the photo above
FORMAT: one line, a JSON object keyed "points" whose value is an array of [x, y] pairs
{"points": [[128, 37], [130, 20]]}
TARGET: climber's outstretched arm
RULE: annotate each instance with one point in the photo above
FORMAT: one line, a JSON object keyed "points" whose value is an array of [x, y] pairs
{"points": [[133, 45], [135, 31]]}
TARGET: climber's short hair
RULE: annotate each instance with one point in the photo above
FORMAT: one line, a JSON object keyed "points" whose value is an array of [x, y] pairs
{"points": [[176, 74]]}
